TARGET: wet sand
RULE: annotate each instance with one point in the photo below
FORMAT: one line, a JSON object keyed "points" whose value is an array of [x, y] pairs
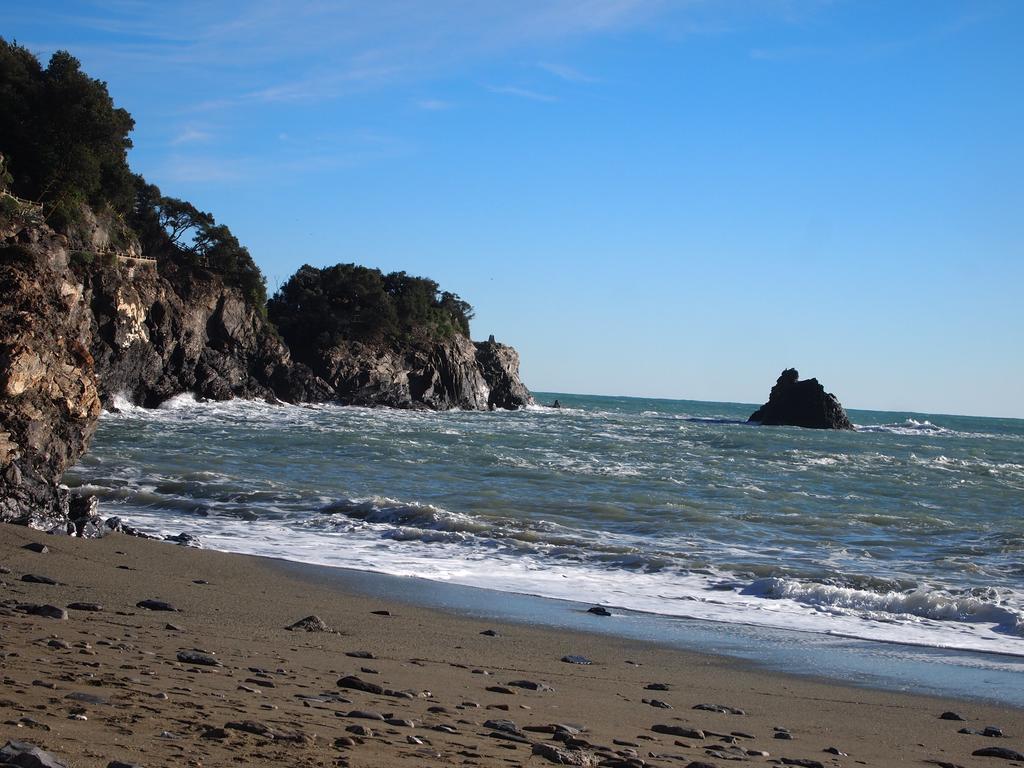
{"points": [[219, 680]]}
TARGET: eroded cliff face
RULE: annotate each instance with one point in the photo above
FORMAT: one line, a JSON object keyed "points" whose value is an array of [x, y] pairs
{"points": [[49, 401], [441, 375], [155, 333]]}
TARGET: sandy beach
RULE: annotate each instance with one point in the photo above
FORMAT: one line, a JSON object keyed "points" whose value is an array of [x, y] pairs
{"points": [[218, 680]]}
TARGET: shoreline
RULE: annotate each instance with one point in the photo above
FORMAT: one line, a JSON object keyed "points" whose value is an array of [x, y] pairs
{"points": [[878, 665], [144, 703]]}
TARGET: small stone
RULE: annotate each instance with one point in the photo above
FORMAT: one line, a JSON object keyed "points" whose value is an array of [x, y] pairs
{"points": [[1002, 752], [120, 764], [501, 689], [784, 735], [90, 607], [381, 613], [490, 633], [992, 732], [173, 628], [505, 726], [720, 708], [364, 714], [360, 655], [35, 546], [354, 683], [802, 762], [87, 698], [254, 727], [360, 730], [678, 730], [835, 751], [573, 659], [156, 605], [33, 578], [599, 610], [28, 756], [531, 685], [564, 756], [200, 659], [656, 687], [46, 611], [309, 624], [657, 703]]}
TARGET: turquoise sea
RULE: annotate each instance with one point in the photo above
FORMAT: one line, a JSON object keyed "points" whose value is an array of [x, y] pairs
{"points": [[908, 531]]}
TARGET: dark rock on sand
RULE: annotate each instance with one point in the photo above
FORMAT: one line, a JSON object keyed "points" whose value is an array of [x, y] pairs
{"points": [[156, 605], [490, 633], [656, 687], [120, 764], [1001, 752], [572, 659], [200, 659], [797, 403], [992, 732], [357, 684], [657, 703], [835, 751], [32, 578], [360, 655], [678, 730], [46, 611], [35, 546], [531, 685], [802, 762], [26, 755], [720, 708], [506, 726], [309, 624], [564, 756], [89, 607], [950, 716], [87, 698], [599, 610]]}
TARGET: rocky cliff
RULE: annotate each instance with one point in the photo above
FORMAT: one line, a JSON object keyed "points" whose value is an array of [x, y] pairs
{"points": [[49, 402], [439, 375], [86, 317], [797, 403]]}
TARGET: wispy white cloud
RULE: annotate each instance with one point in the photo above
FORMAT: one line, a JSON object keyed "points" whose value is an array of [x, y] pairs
{"points": [[522, 93], [567, 73], [191, 135]]}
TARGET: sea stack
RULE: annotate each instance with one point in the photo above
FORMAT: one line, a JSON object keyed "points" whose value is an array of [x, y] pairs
{"points": [[796, 403]]}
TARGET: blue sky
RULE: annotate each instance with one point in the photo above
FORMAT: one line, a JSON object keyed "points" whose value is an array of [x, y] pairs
{"points": [[645, 197]]}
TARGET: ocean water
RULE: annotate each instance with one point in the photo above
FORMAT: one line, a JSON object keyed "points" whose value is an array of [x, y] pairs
{"points": [[909, 530]]}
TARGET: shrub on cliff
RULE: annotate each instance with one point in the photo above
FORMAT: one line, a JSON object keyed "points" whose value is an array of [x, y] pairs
{"points": [[320, 308]]}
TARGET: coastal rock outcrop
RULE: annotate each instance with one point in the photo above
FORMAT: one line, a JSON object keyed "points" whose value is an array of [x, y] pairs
{"points": [[797, 403], [439, 375], [49, 399]]}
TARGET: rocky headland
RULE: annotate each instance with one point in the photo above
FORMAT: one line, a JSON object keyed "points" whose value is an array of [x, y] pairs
{"points": [[85, 320], [801, 403]]}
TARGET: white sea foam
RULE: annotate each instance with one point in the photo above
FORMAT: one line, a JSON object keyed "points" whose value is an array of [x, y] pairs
{"points": [[635, 510]]}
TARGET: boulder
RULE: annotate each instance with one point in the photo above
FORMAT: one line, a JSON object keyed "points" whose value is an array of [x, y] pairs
{"points": [[796, 403]]}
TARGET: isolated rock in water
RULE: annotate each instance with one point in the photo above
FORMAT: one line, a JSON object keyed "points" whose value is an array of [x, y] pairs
{"points": [[796, 403], [28, 756], [309, 624]]}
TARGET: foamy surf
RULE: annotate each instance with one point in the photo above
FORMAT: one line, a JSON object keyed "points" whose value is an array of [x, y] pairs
{"points": [[900, 533]]}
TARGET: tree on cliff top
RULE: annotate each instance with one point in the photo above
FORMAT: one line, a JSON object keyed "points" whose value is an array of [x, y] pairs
{"points": [[320, 308], [66, 143]]}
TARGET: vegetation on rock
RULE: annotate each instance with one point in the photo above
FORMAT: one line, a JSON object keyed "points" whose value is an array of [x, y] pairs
{"points": [[317, 309]]}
